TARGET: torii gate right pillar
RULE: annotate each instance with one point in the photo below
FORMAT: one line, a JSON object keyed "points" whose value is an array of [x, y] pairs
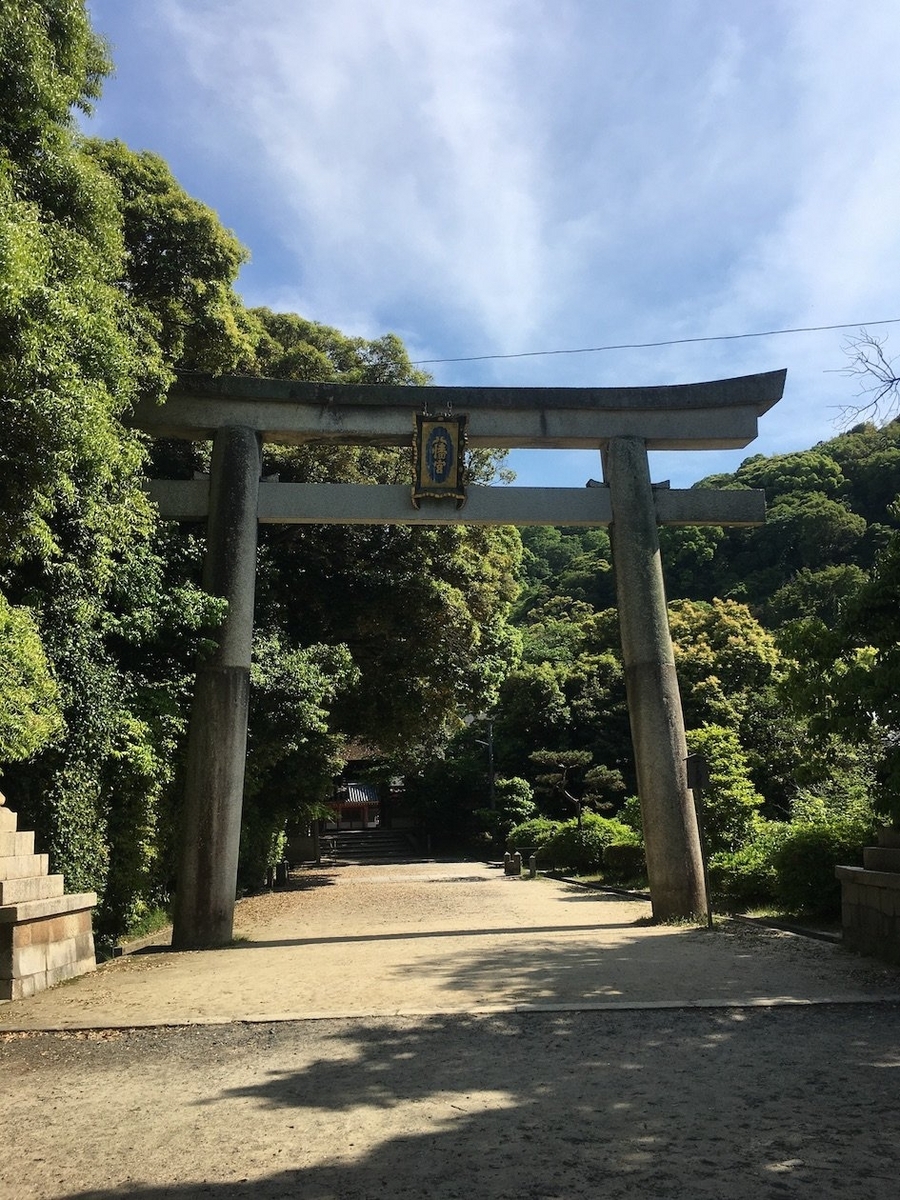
{"points": [[671, 836]]}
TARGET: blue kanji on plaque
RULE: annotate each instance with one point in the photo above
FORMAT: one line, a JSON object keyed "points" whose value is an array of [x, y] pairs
{"points": [[439, 455], [440, 459]]}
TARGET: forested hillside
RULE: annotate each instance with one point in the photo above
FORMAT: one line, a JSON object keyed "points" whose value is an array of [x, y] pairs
{"points": [[786, 645]]}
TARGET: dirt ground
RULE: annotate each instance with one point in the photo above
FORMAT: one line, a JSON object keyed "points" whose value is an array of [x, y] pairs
{"points": [[440, 1030]]}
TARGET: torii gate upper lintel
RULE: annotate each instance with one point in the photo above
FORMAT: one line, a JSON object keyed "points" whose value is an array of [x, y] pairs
{"points": [[239, 414]]}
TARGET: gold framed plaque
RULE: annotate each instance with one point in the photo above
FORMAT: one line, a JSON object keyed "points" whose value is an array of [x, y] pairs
{"points": [[440, 459]]}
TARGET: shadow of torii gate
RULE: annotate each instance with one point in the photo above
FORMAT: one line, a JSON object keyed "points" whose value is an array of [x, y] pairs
{"points": [[240, 414]]}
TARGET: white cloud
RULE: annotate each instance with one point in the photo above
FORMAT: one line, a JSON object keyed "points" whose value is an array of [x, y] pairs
{"points": [[504, 175], [392, 139]]}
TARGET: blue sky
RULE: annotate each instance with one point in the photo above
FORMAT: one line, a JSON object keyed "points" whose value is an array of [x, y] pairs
{"points": [[493, 177]]}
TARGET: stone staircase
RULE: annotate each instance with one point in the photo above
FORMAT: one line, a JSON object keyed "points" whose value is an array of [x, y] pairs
{"points": [[46, 936], [368, 846]]}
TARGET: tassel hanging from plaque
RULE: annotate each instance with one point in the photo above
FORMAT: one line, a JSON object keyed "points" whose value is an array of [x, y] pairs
{"points": [[440, 459]]}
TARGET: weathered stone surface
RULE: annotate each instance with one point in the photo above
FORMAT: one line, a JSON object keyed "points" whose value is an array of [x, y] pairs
{"points": [[41, 887], [45, 935], [36, 954], [30, 985], [52, 929], [870, 911], [32, 910], [881, 858], [217, 739], [204, 899], [22, 866], [16, 843], [718, 414], [671, 836], [390, 504]]}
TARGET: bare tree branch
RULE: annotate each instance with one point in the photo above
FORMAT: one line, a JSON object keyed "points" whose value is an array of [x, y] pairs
{"points": [[879, 379]]}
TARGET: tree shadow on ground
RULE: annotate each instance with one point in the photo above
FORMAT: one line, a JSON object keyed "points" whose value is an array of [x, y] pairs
{"points": [[666, 1103], [304, 881], [760, 1103]]}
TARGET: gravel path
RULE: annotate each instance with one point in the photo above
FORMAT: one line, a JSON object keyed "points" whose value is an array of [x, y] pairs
{"points": [[476, 1036], [430, 938]]}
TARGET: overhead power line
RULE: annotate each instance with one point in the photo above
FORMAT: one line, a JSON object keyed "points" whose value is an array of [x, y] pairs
{"points": [[722, 337]]}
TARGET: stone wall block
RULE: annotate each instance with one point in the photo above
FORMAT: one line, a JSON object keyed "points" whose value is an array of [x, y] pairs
{"points": [[16, 843], [870, 908], [40, 887], [58, 954], [28, 960], [45, 935], [23, 866], [21, 989], [881, 858]]}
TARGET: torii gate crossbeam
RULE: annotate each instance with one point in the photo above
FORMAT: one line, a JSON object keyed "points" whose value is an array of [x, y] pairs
{"points": [[622, 423]]}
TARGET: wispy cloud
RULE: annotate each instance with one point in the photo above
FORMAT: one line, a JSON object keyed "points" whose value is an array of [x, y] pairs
{"points": [[503, 175], [391, 137]]}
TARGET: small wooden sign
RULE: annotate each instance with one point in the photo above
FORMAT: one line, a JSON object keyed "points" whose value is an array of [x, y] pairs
{"points": [[440, 459]]}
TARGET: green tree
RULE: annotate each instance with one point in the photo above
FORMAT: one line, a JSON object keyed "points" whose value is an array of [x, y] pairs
{"points": [[30, 716], [179, 264], [730, 803], [724, 657], [562, 775], [855, 684], [118, 621], [293, 755]]}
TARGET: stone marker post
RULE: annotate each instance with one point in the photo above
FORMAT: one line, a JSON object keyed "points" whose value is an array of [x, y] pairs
{"points": [[671, 837], [217, 739]]}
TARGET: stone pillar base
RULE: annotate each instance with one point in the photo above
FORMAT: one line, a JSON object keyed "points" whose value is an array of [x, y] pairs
{"points": [[45, 935], [870, 905], [43, 942]]}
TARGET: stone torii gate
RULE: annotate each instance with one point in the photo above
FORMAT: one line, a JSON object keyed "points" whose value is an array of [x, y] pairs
{"points": [[239, 414]]}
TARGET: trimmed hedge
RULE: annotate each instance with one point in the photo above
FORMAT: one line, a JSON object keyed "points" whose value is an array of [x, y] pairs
{"points": [[531, 835], [624, 861], [582, 849], [789, 865], [804, 864]]}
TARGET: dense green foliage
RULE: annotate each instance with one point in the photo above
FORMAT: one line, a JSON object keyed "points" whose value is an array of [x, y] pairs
{"points": [[580, 847], [81, 567], [786, 641], [530, 835], [29, 699]]}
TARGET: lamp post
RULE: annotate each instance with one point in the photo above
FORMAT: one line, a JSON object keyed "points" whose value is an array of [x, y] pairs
{"points": [[468, 720]]}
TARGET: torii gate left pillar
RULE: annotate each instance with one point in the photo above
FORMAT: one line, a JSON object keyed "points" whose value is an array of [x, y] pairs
{"points": [[217, 739]]}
